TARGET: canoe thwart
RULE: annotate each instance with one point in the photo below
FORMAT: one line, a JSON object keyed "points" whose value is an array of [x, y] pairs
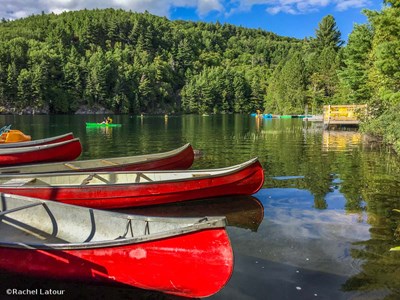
{"points": [[87, 179], [128, 228], [8, 211], [97, 176], [141, 175]]}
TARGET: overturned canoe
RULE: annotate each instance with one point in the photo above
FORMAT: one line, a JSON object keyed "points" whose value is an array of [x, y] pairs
{"points": [[67, 150], [140, 188], [189, 257], [51, 140], [177, 159]]}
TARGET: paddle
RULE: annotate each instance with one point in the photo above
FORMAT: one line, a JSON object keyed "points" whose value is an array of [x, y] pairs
{"points": [[4, 129]]}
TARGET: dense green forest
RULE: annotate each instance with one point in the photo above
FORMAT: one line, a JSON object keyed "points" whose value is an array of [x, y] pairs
{"points": [[132, 62]]}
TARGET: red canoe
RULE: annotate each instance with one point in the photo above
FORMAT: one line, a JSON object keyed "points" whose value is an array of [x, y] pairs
{"points": [[189, 257], [178, 159], [51, 140], [67, 150], [128, 189]]}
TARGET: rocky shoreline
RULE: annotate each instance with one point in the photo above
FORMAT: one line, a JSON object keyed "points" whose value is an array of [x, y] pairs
{"points": [[83, 110]]}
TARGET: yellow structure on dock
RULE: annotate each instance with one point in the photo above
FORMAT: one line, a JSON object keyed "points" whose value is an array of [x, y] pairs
{"points": [[343, 114]]}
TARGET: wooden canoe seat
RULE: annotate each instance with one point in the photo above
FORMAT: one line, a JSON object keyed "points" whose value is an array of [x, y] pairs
{"points": [[71, 166], [109, 162]]}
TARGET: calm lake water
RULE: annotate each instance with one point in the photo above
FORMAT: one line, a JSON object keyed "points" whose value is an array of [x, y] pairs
{"points": [[321, 227]]}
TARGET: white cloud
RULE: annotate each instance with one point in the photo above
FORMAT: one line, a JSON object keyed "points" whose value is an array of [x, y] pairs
{"points": [[206, 6], [346, 4], [298, 6], [13, 9]]}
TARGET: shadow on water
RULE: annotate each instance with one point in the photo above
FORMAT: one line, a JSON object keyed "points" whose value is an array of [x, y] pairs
{"points": [[240, 211]]}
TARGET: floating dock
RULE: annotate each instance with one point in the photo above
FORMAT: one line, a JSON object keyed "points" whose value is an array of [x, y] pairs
{"points": [[343, 114]]}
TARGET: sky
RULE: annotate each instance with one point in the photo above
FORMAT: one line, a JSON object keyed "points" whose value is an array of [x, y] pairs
{"points": [[293, 18]]}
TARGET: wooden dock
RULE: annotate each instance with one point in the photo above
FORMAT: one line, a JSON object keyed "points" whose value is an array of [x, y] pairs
{"points": [[343, 114]]}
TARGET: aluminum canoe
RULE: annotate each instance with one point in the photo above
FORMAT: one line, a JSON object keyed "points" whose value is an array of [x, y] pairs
{"points": [[177, 159], [189, 257], [137, 188]]}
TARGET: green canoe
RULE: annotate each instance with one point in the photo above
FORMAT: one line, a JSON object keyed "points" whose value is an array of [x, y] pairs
{"points": [[102, 125]]}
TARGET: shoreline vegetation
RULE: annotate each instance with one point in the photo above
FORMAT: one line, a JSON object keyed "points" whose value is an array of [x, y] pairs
{"points": [[115, 61]]}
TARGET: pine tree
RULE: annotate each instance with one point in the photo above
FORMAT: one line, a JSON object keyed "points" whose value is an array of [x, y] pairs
{"points": [[327, 34], [356, 58]]}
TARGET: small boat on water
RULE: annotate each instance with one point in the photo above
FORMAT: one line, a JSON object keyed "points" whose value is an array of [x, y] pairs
{"points": [[13, 137], [28, 143], [189, 257], [178, 159], [140, 188], [67, 150], [103, 125]]}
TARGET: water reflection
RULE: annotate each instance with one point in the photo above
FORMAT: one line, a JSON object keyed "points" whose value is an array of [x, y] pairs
{"points": [[339, 140], [106, 131], [240, 211]]}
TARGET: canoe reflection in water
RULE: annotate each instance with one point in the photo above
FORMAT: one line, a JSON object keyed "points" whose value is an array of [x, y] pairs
{"points": [[240, 211]]}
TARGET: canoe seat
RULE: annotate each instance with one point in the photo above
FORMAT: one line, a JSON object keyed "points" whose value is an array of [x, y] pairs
{"points": [[107, 162], [71, 166]]}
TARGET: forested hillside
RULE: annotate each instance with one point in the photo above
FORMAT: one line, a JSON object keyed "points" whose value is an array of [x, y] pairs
{"points": [[132, 63]]}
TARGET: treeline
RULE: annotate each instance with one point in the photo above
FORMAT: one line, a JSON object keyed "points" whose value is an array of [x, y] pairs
{"points": [[132, 62]]}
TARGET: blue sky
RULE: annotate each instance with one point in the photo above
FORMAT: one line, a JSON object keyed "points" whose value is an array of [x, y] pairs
{"points": [[294, 18]]}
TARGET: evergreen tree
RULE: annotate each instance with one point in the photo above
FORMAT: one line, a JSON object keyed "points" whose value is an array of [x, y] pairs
{"points": [[25, 90], [327, 34], [354, 75]]}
